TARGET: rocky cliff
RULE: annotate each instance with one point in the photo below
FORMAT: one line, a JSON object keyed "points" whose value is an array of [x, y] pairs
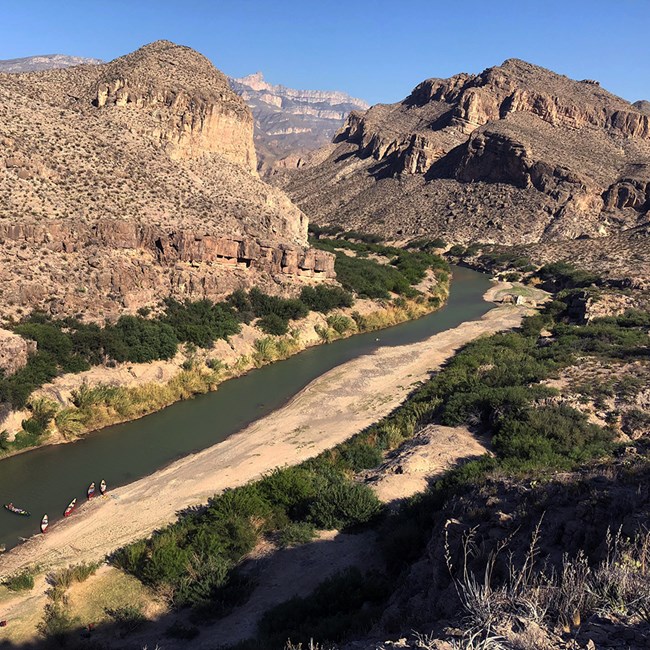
{"points": [[516, 154], [125, 182], [289, 123]]}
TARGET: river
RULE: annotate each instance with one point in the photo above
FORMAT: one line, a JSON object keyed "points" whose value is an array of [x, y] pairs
{"points": [[46, 479]]}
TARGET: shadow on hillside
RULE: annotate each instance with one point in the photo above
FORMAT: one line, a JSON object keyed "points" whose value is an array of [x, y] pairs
{"points": [[274, 579]]}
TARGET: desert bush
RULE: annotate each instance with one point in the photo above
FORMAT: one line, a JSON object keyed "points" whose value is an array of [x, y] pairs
{"points": [[128, 618], [296, 533], [57, 623], [64, 578], [324, 298], [341, 504], [340, 323], [201, 322], [347, 602], [273, 324], [265, 350], [22, 581], [285, 308], [358, 455]]}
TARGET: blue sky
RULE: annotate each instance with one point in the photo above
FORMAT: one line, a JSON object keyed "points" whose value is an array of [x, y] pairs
{"points": [[377, 49]]}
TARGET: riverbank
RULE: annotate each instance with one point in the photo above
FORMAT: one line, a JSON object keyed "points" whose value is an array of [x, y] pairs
{"points": [[357, 394], [140, 389]]}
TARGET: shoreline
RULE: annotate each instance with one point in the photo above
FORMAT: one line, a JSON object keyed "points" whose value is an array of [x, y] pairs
{"points": [[359, 392], [244, 349]]}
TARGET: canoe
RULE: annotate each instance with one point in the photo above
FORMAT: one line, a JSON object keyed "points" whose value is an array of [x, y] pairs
{"points": [[18, 511], [45, 522], [70, 508], [91, 491], [102, 487]]}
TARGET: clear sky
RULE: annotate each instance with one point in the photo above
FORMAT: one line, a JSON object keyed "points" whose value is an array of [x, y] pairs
{"points": [[375, 49]]}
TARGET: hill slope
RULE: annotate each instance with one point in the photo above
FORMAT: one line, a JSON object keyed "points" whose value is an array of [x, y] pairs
{"points": [[516, 154], [126, 182]]}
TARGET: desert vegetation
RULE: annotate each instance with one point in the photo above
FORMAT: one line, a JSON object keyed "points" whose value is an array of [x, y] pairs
{"points": [[494, 385], [365, 277]]}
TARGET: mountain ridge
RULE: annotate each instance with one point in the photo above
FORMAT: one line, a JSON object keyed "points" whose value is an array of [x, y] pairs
{"points": [[514, 155]]}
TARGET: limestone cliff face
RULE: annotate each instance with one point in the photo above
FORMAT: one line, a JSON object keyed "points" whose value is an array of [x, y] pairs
{"points": [[126, 182], [291, 122], [191, 114], [516, 154]]}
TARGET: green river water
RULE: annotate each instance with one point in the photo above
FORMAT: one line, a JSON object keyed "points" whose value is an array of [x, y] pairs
{"points": [[46, 479]]}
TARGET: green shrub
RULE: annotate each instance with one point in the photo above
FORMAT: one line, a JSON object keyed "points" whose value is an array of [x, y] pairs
{"points": [[128, 618], [139, 340], [273, 324], [291, 489], [345, 603], [296, 533], [57, 623], [22, 581], [324, 298], [359, 455], [201, 322], [342, 504], [285, 308], [340, 323]]}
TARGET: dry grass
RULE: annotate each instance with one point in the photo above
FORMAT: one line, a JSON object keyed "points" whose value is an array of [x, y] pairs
{"points": [[534, 593]]}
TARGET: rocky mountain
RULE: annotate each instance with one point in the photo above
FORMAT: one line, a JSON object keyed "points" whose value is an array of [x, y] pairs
{"points": [[516, 154], [289, 123], [44, 62], [129, 181]]}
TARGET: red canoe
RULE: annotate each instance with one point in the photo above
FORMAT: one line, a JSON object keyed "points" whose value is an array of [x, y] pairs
{"points": [[45, 522], [91, 491], [70, 508]]}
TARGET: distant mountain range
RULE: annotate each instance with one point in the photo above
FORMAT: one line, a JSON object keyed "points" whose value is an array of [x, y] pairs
{"points": [[43, 62], [289, 123]]}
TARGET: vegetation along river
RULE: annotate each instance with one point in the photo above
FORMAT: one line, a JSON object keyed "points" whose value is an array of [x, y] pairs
{"points": [[45, 480]]}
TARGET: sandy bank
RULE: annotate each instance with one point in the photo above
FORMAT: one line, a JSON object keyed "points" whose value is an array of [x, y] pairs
{"points": [[329, 410]]}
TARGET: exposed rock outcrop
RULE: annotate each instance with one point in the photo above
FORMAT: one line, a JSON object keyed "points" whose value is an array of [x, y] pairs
{"points": [[14, 351]]}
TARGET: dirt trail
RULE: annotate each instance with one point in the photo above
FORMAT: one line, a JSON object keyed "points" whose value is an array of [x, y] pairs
{"points": [[329, 410]]}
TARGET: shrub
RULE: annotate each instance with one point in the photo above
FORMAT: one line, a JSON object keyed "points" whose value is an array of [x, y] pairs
{"points": [[324, 298], [285, 308], [296, 533], [340, 323], [341, 504], [290, 489], [139, 340], [273, 324], [23, 581], [359, 455], [128, 618], [345, 603], [57, 623], [201, 322]]}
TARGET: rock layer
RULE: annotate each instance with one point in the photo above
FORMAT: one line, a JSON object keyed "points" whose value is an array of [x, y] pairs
{"points": [[288, 122]]}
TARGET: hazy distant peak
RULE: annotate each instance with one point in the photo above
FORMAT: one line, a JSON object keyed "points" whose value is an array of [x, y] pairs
{"points": [[44, 62]]}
